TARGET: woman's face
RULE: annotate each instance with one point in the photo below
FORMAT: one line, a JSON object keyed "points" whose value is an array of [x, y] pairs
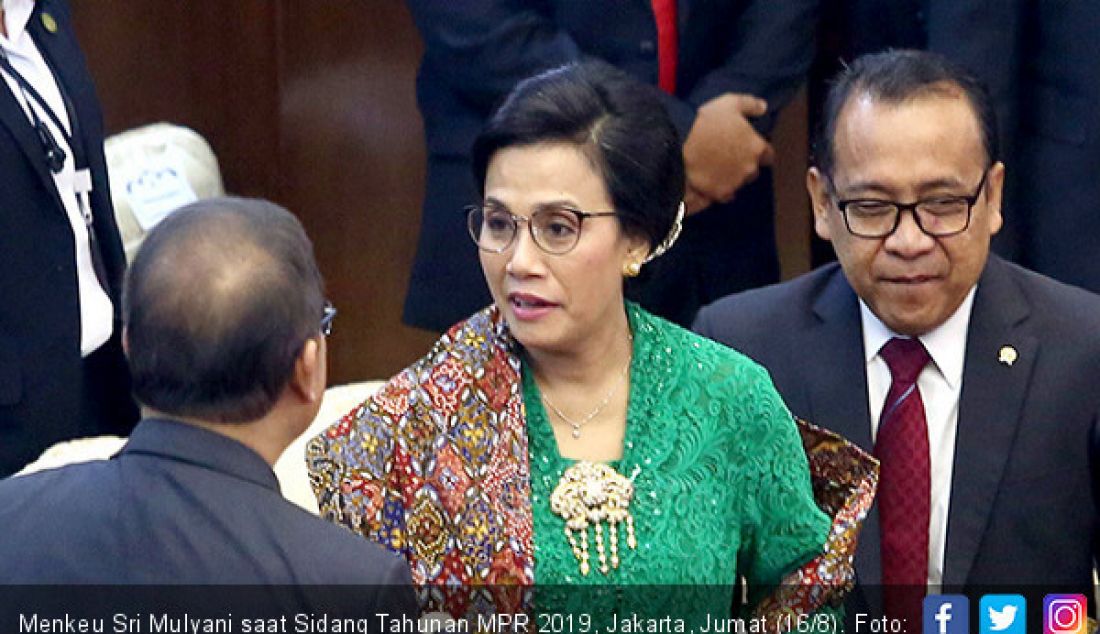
{"points": [[554, 302]]}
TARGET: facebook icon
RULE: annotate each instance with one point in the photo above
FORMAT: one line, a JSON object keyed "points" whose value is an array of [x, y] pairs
{"points": [[946, 614]]}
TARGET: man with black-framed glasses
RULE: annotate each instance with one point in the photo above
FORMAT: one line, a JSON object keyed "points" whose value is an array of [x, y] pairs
{"points": [[971, 379]]}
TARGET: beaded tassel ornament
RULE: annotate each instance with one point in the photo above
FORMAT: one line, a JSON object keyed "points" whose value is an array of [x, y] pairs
{"points": [[591, 493]]}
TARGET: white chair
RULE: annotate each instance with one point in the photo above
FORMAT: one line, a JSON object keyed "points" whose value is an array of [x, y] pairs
{"points": [[290, 468], [154, 170]]}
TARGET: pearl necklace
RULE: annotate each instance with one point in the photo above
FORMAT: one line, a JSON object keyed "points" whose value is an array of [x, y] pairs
{"points": [[577, 424]]}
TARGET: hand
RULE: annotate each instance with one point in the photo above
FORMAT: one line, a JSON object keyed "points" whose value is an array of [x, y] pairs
{"points": [[694, 202], [723, 151]]}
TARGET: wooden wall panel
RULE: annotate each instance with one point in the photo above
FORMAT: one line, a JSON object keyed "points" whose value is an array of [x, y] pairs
{"points": [[312, 108], [353, 167], [210, 66], [793, 213]]}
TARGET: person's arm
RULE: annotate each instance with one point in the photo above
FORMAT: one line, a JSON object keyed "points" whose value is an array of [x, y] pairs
{"points": [[487, 46], [772, 46], [723, 151], [987, 38], [782, 527], [809, 492]]}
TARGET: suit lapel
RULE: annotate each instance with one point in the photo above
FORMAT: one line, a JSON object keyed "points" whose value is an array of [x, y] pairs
{"points": [[838, 398], [15, 120], [13, 117], [64, 58], [992, 396], [683, 15]]}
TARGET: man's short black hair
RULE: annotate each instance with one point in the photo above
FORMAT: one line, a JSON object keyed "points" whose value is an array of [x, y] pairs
{"points": [[897, 76], [218, 303], [618, 122]]}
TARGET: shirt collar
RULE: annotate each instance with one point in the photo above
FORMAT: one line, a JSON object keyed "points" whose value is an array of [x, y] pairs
{"points": [[946, 344], [181, 442], [17, 13]]}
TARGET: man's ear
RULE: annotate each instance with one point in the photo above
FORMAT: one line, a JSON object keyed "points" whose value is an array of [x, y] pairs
{"points": [[818, 188], [994, 186], [309, 363]]}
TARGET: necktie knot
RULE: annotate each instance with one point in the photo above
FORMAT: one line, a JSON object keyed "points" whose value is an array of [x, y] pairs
{"points": [[905, 358]]}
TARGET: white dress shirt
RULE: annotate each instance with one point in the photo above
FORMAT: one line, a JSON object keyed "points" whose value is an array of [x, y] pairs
{"points": [[940, 384], [96, 310]]}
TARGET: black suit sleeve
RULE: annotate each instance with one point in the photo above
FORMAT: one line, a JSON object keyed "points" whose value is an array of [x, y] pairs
{"points": [[771, 47], [985, 37], [1094, 467], [490, 45], [376, 589], [397, 596]]}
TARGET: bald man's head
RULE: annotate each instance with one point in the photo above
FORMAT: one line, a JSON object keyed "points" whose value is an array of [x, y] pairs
{"points": [[219, 301]]}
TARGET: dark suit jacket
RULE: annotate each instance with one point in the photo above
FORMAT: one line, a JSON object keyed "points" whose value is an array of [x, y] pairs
{"points": [[1041, 61], [1021, 511], [181, 505], [43, 396], [475, 53]]}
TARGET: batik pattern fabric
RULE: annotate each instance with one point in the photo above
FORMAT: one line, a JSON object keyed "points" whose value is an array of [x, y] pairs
{"points": [[452, 463], [844, 479], [434, 466]]}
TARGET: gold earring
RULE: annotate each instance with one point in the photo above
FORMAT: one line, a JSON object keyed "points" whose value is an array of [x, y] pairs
{"points": [[632, 269]]}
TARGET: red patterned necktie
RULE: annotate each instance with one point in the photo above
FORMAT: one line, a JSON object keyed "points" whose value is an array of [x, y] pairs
{"points": [[904, 493]]}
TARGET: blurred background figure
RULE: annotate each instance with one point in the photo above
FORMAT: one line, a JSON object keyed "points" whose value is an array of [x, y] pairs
{"points": [[724, 69], [1041, 61], [62, 373]]}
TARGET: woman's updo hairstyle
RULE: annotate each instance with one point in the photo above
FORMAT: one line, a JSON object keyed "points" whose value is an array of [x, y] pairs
{"points": [[618, 122]]}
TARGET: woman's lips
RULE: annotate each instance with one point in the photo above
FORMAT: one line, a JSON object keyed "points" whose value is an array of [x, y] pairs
{"points": [[528, 307]]}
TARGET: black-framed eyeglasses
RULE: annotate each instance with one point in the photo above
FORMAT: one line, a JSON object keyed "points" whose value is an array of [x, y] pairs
{"points": [[556, 229], [940, 216], [327, 315]]}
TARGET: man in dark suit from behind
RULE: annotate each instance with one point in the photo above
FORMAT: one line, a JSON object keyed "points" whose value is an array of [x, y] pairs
{"points": [[225, 323], [973, 380]]}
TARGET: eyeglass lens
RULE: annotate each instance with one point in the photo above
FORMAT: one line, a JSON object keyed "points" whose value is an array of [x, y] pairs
{"points": [[935, 217], [554, 229]]}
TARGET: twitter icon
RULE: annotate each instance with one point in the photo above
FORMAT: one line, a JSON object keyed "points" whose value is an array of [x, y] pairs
{"points": [[1003, 614]]}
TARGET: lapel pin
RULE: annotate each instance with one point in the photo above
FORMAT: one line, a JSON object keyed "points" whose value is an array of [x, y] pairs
{"points": [[1007, 355], [49, 22]]}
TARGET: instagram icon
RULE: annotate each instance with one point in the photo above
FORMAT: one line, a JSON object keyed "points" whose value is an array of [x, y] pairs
{"points": [[1064, 614]]}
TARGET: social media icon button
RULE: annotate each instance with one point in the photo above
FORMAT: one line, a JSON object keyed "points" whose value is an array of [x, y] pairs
{"points": [[1065, 614], [1002, 614], [946, 614]]}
